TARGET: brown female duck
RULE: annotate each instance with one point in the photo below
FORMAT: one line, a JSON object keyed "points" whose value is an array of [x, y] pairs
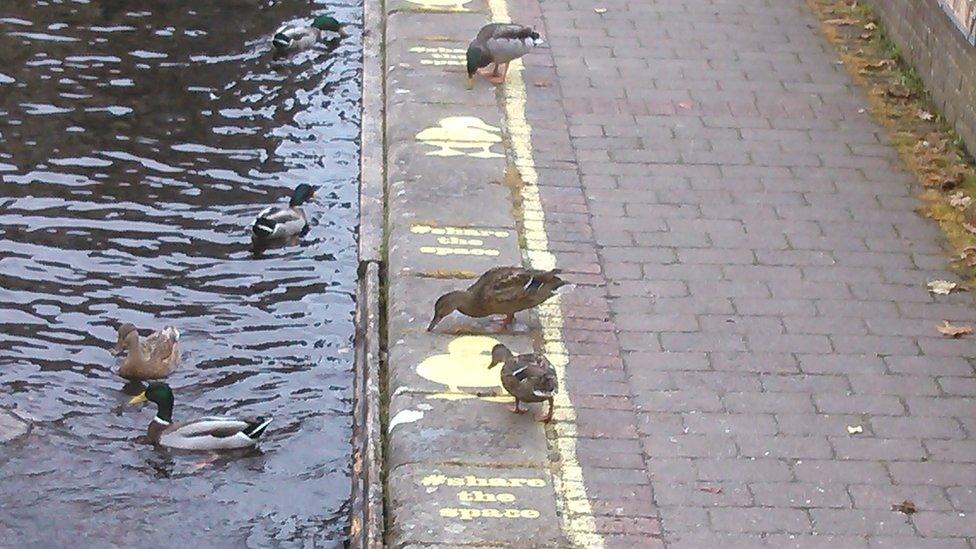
{"points": [[154, 357], [528, 378], [500, 291]]}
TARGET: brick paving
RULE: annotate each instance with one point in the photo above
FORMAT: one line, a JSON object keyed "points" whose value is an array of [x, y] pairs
{"points": [[752, 283]]}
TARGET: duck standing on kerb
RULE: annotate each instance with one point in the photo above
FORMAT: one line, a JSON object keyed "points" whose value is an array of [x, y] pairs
{"points": [[499, 44], [499, 291], [528, 378]]}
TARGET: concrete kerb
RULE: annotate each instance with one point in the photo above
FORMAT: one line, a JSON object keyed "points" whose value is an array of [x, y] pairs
{"points": [[366, 524]]}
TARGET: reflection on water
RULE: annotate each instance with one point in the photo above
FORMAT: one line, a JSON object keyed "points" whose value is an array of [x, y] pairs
{"points": [[137, 141]]}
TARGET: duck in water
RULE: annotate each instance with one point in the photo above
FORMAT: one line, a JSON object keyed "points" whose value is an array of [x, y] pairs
{"points": [[291, 38], [277, 224], [153, 357], [206, 433]]}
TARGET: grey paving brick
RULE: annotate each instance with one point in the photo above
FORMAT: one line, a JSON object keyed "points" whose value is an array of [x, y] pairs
{"points": [[844, 472], [742, 470], [863, 522], [878, 496], [916, 542], [760, 520], [800, 495]]}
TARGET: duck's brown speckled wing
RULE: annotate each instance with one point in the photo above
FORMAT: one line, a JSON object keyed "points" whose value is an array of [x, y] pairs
{"points": [[535, 376], [513, 284], [164, 351]]}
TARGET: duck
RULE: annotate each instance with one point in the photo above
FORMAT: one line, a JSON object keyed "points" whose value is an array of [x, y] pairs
{"points": [[291, 38], [206, 433], [499, 291], [498, 44], [528, 377], [277, 223], [154, 357]]}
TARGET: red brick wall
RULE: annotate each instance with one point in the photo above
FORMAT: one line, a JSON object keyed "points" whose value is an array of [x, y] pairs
{"points": [[945, 60]]}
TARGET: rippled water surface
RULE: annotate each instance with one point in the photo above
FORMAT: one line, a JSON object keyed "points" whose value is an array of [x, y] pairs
{"points": [[137, 141]]}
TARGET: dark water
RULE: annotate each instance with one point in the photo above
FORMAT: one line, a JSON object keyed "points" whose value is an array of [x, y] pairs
{"points": [[137, 141]]}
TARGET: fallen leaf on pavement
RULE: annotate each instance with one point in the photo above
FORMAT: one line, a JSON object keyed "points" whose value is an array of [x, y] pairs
{"points": [[600, 10], [883, 64], [854, 429], [542, 83], [685, 104], [711, 489], [843, 21], [924, 115], [968, 254], [899, 92], [907, 507], [941, 287], [951, 330]]}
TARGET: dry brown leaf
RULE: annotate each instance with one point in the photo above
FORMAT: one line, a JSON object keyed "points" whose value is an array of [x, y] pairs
{"points": [[968, 255], [871, 26], [939, 180], [959, 172], [907, 507], [711, 489], [866, 36], [941, 287], [898, 91], [842, 21], [924, 115], [883, 64], [951, 330], [542, 83]]}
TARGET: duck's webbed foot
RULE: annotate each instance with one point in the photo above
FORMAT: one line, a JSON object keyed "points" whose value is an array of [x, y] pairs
{"points": [[547, 417], [516, 408]]}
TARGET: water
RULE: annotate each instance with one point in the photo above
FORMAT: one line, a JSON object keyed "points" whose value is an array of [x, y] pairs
{"points": [[137, 141]]}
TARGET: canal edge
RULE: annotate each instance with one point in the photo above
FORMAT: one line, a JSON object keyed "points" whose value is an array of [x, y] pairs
{"points": [[367, 515]]}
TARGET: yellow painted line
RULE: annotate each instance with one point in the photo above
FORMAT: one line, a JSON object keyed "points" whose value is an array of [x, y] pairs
{"points": [[572, 502]]}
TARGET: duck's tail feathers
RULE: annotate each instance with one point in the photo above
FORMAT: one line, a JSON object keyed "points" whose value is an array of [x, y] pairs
{"points": [[281, 41], [263, 227], [256, 428]]}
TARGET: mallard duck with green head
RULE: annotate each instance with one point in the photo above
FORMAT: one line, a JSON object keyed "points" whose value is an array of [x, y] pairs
{"points": [[153, 357], [499, 291], [276, 223], [206, 433], [498, 44], [291, 38], [528, 378]]}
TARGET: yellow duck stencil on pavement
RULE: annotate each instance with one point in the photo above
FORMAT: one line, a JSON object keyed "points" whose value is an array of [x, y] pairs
{"points": [[464, 365], [462, 135]]}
